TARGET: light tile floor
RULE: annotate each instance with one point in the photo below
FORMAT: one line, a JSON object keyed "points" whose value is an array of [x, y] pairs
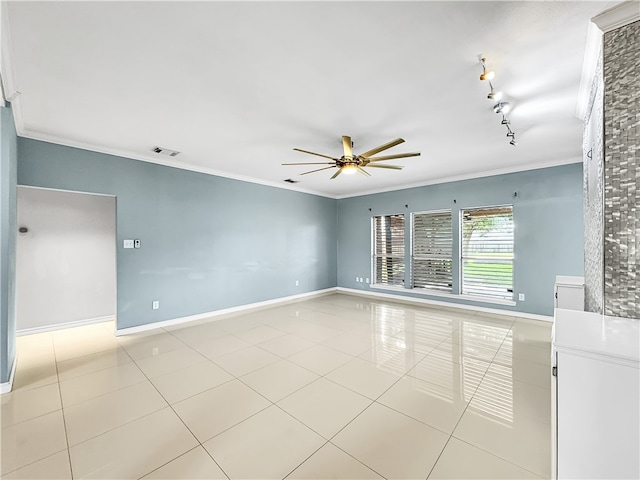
{"points": [[332, 387]]}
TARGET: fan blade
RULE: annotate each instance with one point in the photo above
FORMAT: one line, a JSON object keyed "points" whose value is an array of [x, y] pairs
{"points": [[347, 146], [392, 167], [387, 145], [310, 163], [392, 157], [313, 171], [336, 174], [313, 153], [364, 172]]}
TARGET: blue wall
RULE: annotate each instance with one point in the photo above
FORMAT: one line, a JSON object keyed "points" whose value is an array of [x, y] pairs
{"points": [[208, 242], [8, 162], [548, 228]]}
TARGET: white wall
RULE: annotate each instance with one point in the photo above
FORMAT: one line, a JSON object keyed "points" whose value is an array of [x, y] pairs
{"points": [[66, 262]]}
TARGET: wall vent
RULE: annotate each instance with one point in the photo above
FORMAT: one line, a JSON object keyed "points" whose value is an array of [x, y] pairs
{"points": [[165, 151], [290, 180]]}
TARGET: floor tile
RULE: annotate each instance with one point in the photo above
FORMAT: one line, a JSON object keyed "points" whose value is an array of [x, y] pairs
{"points": [[331, 462], [426, 402], [32, 440], [315, 333], [286, 345], [210, 413], [519, 440], [392, 356], [538, 352], [218, 347], [22, 405], [79, 389], [246, 360], [260, 334], [501, 393], [54, 467], [193, 334], [279, 379], [35, 370], [78, 345], [169, 362], [464, 377], [320, 359], [363, 377], [237, 324], [523, 370], [350, 344], [195, 464], [185, 383], [143, 346], [268, 445], [139, 447], [392, 444], [459, 460], [324, 406], [93, 417], [92, 363]]}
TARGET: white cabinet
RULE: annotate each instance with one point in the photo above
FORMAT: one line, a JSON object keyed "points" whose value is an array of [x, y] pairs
{"points": [[597, 396], [569, 292]]}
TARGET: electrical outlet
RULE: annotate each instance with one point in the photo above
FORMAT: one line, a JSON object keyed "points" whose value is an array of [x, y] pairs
{"points": [[297, 283], [521, 297], [356, 279], [136, 244], [155, 305], [367, 280]]}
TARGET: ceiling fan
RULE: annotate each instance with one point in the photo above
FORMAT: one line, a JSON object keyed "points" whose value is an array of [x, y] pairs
{"points": [[350, 163]]}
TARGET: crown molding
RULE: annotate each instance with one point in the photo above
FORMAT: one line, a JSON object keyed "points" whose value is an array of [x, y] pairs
{"points": [[618, 16], [43, 137], [469, 176]]}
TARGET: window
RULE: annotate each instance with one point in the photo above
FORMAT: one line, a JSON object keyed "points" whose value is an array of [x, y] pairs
{"points": [[388, 250], [487, 252], [432, 251]]}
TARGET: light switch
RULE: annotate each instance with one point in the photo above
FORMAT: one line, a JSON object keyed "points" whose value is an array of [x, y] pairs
{"points": [[128, 244]]}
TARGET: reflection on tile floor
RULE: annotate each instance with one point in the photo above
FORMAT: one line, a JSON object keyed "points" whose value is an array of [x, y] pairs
{"points": [[332, 387]]}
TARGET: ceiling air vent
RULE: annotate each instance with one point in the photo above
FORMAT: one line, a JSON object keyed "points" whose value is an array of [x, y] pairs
{"points": [[165, 151], [290, 180]]}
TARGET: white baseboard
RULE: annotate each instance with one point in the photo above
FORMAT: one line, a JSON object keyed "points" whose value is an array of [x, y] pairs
{"points": [[8, 385], [225, 311], [426, 301], [60, 326]]}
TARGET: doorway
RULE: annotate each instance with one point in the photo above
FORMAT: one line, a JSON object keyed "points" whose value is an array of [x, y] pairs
{"points": [[65, 259]]}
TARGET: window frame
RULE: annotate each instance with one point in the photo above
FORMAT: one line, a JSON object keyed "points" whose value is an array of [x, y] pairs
{"points": [[414, 257], [374, 256], [489, 297]]}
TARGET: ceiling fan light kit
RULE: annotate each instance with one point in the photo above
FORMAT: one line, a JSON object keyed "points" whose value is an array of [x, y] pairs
{"points": [[501, 108], [349, 163]]}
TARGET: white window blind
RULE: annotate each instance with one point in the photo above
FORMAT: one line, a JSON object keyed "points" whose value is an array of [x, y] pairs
{"points": [[432, 251], [388, 252], [487, 252]]}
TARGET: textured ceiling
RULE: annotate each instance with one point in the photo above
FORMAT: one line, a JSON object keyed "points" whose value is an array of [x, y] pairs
{"points": [[236, 85]]}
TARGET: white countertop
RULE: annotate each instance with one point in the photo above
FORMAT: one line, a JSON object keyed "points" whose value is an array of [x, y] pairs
{"points": [[595, 334], [569, 281]]}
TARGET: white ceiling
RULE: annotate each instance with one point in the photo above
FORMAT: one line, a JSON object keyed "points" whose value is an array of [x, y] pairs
{"points": [[236, 85]]}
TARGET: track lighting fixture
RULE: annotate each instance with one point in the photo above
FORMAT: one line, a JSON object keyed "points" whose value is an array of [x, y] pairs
{"points": [[493, 95], [501, 107]]}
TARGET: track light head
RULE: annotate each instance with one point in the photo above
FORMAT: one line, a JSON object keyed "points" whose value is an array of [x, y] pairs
{"points": [[502, 107], [487, 75], [493, 95], [505, 121], [513, 142]]}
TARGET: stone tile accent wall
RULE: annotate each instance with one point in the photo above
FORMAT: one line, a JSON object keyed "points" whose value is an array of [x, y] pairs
{"points": [[621, 67], [593, 207]]}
